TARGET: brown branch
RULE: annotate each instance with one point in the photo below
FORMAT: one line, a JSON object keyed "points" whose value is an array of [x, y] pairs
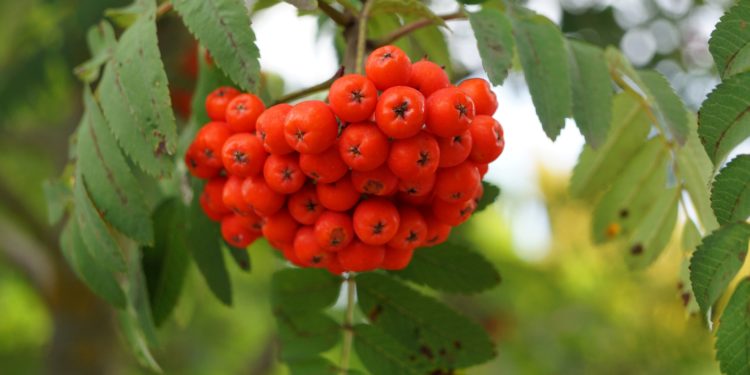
{"points": [[335, 15], [310, 90], [416, 25]]}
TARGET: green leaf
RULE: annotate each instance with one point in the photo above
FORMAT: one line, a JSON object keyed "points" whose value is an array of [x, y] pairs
{"points": [[405, 8], [730, 39], [101, 41], [209, 79], [423, 325], [102, 282], [667, 105], [223, 26], [137, 292], [730, 195], [633, 193], [592, 92], [541, 49], [620, 67], [716, 261], [304, 289], [124, 17], [102, 247], [691, 237], [382, 354], [686, 290], [654, 231], [203, 241], [240, 256], [451, 268], [58, 197], [429, 41], [733, 335], [305, 335], [137, 341], [314, 366], [491, 193], [696, 171], [596, 169], [494, 35], [135, 98], [112, 186], [306, 5], [723, 120], [165, 264]]}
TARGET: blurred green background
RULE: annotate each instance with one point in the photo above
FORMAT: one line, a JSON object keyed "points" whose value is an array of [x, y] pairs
{"points": [[574, 310]]}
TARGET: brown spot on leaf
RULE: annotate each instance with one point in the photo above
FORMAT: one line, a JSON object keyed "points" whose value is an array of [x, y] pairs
{"points": [[637, 249], [685, 298], [741, 256], [374, 313], [457, 344], [426, 352], [624, 213]]}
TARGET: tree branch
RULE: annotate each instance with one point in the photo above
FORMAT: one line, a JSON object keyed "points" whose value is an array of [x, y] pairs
{"points": [[310, 90], [338, 17], [416, 25], [364, 17]]}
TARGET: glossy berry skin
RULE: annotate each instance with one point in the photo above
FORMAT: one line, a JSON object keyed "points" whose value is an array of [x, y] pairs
{"points": [[412, 229], [353, 98], [488, 140], [480, 92], [325, 167], [212, 198], [232, 197], [283, 174], [400, 112], [388, 66], [455, 150], [424, 200], [305, 206], [338, 196], [270, 129], [310, 127], [210, 141], [334, 230], [428, 77], [457, 184], [363, 147], [448, 112], [375, 221], [418, 187], [243, 155], [396, 259], [437, 231], [218, 100], [195, 166], [264, 200], [334, 266], [414, 157], [361, 257], [242, 112], [236, 231], [453, 213], [280, 227], [308, 252], [380, 181], [483, 168], [291, 255]]}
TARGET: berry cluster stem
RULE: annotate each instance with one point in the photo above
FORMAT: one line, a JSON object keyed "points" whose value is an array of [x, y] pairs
{"points": [[348, 325], [414, 26], [362, 34]]}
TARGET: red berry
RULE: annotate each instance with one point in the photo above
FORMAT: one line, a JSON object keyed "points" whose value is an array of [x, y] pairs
{"points": [[291, 255], [353, 98], [428, 77], [210, 140], [448, 112], [482, 168], [361, 257], [437, 231], [232, 197], [453, 213], [334, 230], [194, 163], [310, 127], [305, 206], [396, 259], [480, 91], [243, 155], [334, 266], [218, 100], [400, 112], [454, 150], [270, 128], [363, 147], [419, 187], [338, 196], [414, 157], [488, 139], [457, 184], [412, 230], [388, 66], [280, 227], [243, 111], [325, 167], [212, 197], [237, 231], [414, 200], [380, 181], [375, 221], [264, 200], [307, 249], [283, 174]]}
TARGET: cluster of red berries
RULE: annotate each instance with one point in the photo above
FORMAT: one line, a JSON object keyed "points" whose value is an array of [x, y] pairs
{"points": [[355, 184]]}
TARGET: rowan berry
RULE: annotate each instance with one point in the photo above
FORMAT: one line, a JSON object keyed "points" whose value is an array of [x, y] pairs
{"points": [[270, 129], [379, 181], [305, 206], [237, 231], [453, 213], [483, 168], [283, 174], [363, 147], [264, 200], [428, 77], [218, 100], [480, 92], [310, 127], [414, 200], [437, 231], [210, 140], [400, 112], [388, 66], [195, 166], [232, 196], [396, 259], [415, 157], [291, 255], [334, 266], [375, 221], [488, 139], [353, 98], [361, 257], [457, 184], [448, 112], [412, 229], [418, 187], [280, 228], [334, 230], [309, 253], [242, 113], [325, 167], [455, 150], [243, 155], [338, 196], [212, 198]]}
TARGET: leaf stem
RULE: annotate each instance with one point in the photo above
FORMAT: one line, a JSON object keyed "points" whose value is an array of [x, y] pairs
{"points": [[334, 14], [163, 9], [416, 25], [348, 326], [310, 90], [362, 34]]}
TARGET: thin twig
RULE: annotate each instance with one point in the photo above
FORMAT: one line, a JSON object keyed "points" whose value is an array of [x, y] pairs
{"points": [[310, 90], [346, 346], [416, 25], [163, 9], [338, 17], [362, 34], [349, 7]]}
